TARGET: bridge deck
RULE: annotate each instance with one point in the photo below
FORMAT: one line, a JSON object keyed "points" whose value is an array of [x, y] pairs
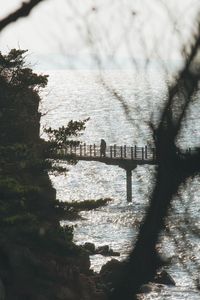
{"points": [[114, 155], [125, 157]]}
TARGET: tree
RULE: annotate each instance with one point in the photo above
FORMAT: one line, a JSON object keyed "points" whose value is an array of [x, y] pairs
{"points": [[19, 99], [173, 170], [63, 136], [30, 215]]}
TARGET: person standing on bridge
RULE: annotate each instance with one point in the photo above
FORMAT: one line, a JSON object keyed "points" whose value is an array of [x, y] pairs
{"points": [[103, 148]]}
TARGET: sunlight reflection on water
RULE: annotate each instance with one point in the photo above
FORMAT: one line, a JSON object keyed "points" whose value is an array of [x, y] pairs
{"points": [[77, 95]]}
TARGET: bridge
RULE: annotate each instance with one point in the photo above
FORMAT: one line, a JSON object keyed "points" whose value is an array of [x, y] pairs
{"points": [[125, 157]]}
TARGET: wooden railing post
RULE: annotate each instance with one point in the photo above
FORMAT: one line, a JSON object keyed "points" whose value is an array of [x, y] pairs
{"points": [[94, 150], [75, 149], [70, 149], [80, 150], [121, 151], [115, 151], [135, 151], [142, 153], [146, 156], [84, 145], [111, 151], [124, 151], [132, 153], [90, 150]]}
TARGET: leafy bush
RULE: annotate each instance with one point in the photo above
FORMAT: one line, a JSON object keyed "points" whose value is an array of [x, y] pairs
{"points": [[86, 205]]}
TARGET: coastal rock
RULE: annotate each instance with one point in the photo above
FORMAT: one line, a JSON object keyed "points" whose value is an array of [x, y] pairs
{"points": [[103, 250], [113, 253], [164, 278], [106, 251], [146, 288], [90, 247], [83, 262], [110, 273], [150, 287]]}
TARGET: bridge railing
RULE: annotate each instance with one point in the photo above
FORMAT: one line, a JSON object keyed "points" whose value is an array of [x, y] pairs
{"points": [[113, 151], [146, 153]]}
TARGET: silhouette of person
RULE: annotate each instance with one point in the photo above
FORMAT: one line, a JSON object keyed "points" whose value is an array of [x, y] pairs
{"points": [[102, 148]]}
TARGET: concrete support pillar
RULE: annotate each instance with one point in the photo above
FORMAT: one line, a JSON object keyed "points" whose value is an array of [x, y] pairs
{"points": [[129, 185]]}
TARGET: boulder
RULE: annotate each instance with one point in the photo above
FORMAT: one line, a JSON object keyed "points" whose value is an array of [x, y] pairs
{"points": [[106, 251], [145, 288], [164, 278], [90, 247], [113, 253], [103, 250], [111, 272], [83, 262], [150, 287]]}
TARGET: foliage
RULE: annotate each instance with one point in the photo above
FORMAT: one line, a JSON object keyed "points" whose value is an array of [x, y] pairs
{"points": [[29, 212], [14, 71], [19, 99], [62, 135], [26, 194], [70, 210], [87, 204]]}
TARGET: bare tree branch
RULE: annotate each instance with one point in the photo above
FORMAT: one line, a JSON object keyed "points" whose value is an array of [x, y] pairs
{"points": [[172, 171], [21, 12]]}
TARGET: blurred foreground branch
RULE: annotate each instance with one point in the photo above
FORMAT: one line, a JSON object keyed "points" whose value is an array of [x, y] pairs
{"points": [[21, 12]]}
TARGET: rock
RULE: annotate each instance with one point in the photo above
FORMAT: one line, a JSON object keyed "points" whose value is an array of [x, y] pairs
{"points": [[90, 247], [83, 262], [145, 288], [164, 278], [111, 272], [150, 287], [113, 253], [104, 250]]}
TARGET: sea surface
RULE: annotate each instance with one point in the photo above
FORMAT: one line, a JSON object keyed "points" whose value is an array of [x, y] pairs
{"points": [[121, 106]]}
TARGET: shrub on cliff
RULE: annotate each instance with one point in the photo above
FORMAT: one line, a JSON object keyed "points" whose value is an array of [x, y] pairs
{"points": [[19, 99]]}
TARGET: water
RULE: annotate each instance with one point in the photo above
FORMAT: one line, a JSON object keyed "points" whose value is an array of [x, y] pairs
{"points": [[122, 120]]}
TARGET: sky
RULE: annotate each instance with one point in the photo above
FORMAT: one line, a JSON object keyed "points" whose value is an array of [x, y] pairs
{"points": [[95, 33]]}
